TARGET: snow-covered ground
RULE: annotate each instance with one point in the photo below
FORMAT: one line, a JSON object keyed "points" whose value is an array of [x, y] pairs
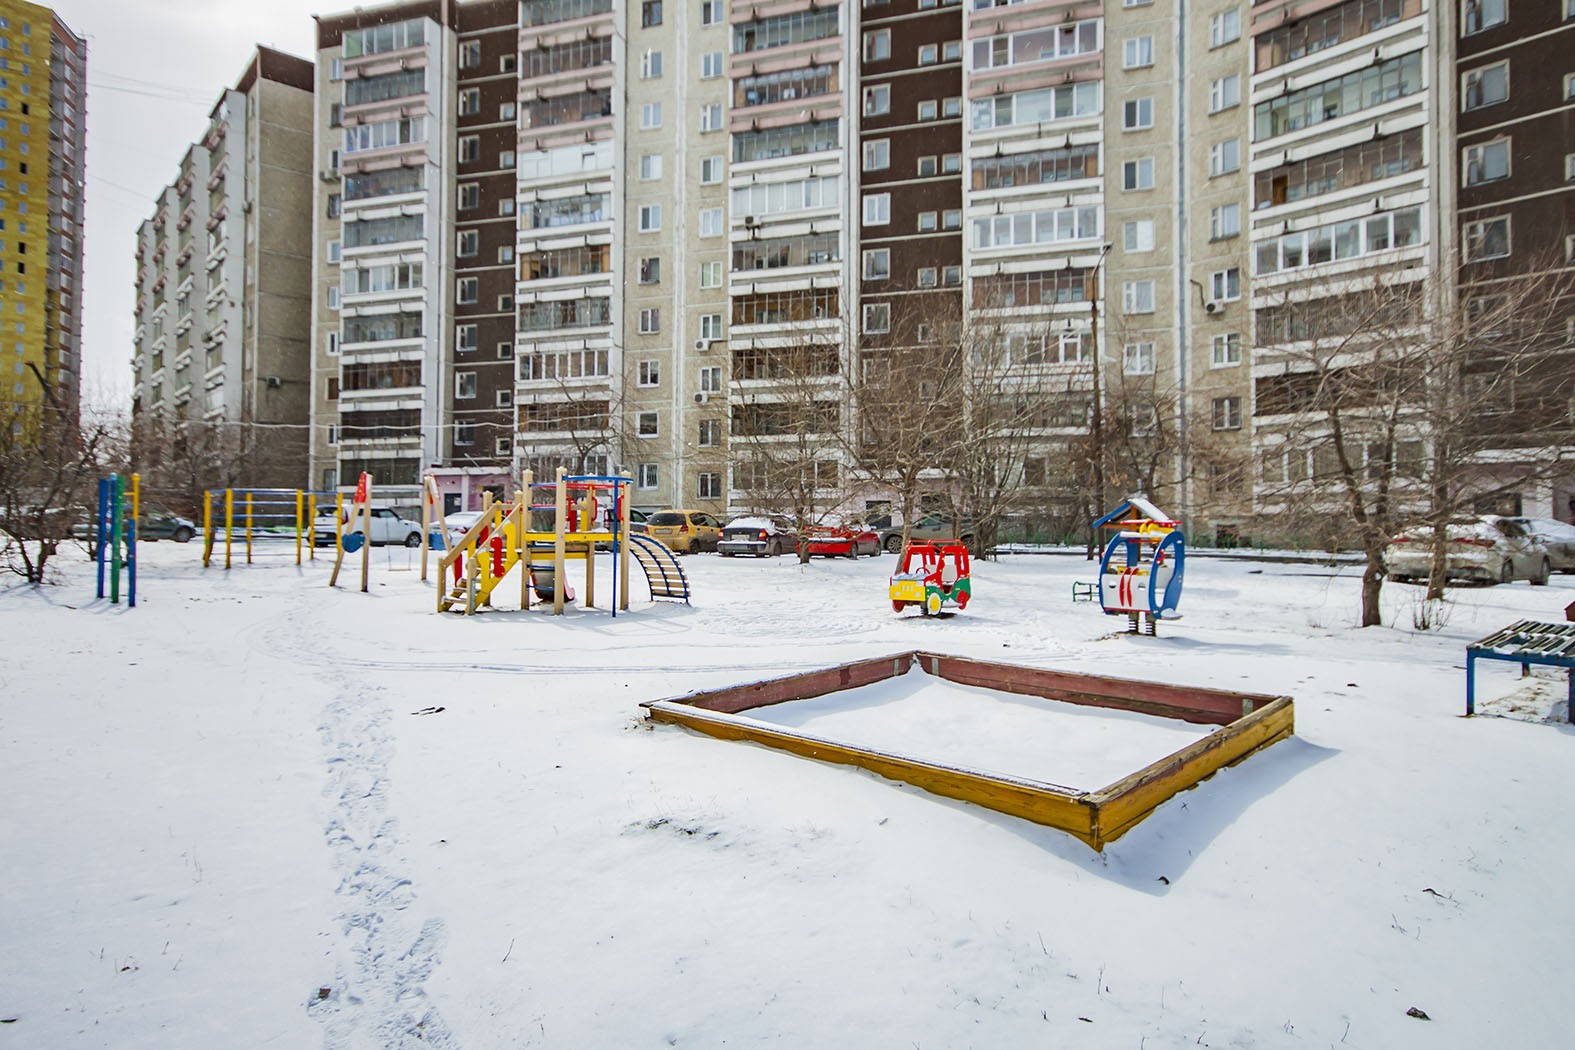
{"points": [[227, 822]]}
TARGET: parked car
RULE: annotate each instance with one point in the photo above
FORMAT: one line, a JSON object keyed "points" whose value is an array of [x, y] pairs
{"points": [[928, 527], [685, 531], [1559, 539], [843, 537], [156, 524], [387, 527], [459, 524], [757, 535], [1486, 549]]}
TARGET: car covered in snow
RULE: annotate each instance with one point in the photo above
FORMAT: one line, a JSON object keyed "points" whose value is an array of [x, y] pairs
{"points": [[759, 535], [842, 537], [1486, 549]]}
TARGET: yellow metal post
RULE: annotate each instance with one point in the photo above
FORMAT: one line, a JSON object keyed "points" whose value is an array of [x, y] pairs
{"points": [[207, 528], [248, 528], [300, 505], [311, 518], [229, 523]]}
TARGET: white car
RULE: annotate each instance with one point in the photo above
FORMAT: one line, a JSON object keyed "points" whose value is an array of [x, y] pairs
{"points": [[1489, 549], [460, 523], [387, 527], [1559, 539]]}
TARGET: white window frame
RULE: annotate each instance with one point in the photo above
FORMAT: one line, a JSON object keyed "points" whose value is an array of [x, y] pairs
{"points": [[877, 209], [648, 424], [1138, 174], [650, 320], [1225, 350], [1222, 287], [1224, 157], [467, 291], [877, 45], [1225, 221], [650, 116], [651, 64], [1137, 52], [648, 373], [1137, 114], [1137, 359], [712, 222], [876, 319], [646, 476], [875, 264], [877, 154], [1225, 27], [1476, 156], [711, 117], [1225, 413], [650, 167], [1137, 235], [876, 100], [1225, 93], [650, 218], [711, 274], [464, 386], [1477, 230], [1476, 76], [1137, 297], [712, 65], [711, 170]]}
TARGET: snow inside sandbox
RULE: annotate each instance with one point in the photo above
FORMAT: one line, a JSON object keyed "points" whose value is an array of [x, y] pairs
{"points": [[934, 720]]}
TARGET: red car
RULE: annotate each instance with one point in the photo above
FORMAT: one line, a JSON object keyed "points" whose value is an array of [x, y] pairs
{"points": [[835, 538]]}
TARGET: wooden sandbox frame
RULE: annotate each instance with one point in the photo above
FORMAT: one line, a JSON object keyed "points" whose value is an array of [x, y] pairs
{"points": [[1249, 721]]}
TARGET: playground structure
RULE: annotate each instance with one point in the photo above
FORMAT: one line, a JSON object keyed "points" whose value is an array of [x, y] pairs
{"points": [[1141, 570], [505, 540], [115, 535], [1248, 722], [932, 575], [260, 522]]}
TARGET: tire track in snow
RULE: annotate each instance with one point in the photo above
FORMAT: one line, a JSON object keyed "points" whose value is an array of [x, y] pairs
{"points": [[379, 999]]}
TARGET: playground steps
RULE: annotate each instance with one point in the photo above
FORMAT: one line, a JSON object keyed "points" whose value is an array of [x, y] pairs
{"points": [[662, 571]]}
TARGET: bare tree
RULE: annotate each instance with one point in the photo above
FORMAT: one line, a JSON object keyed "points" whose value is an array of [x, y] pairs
{"points": [[49, 464], [1394, 404]]}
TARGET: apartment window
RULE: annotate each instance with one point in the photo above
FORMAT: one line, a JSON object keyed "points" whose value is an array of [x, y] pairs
{"points": [[506, 158], [877, 264], [951, 276], [466, 292], [1225, 285], [710, 170], [650, 218], [506, 111], [645, 476], [1226, 350], [469, 196], [927, 167], [1137, 52], [951, 107], [468, 242], [470, 102], [711, 117], [507, 63], [506, 300], [877, 155], [1138, 174], [1137, 114], [335, 251], [1225, 93], [709, 484], [710, 433], [465, 337], [503, 398], [464, 386], [929, 54], [1569, 158], [877, 46], [651, 64], [711, 65], [651, 270], [331, 344], [646, 425], [877, 209], [711, 274], [1487, 162], [710, 327], [505, 351], [1224, 221], [1485, 87], [469, 149], [1137, 297], [650, 320], [469, 54], [711, 379], [1137, 359], [877, 100], [1488, 239], [335, 201], [1477, 15], [877, 318], [928, 277], [1569, 86], [927, 110], [710, 222], [951, 163], [1225, 27], [650, 373], [951, 51], [650, 115], [650, 13], [1137, 235], [1224, 157], [711, 12], [651, 167], [929, 221], [1227, 413]]}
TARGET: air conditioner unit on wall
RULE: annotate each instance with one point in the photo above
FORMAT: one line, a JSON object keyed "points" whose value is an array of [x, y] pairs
{"points": [[702, 397], [1213, 306]]}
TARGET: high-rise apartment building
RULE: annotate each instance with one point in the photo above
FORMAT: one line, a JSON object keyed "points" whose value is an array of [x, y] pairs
{"points": [[671, 237], [223, 272], [43, 114]]}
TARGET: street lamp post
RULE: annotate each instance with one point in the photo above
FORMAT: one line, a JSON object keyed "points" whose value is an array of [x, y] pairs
{"points": [[1097, 420]]}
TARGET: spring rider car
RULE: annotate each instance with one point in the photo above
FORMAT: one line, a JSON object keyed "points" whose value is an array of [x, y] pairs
{"points": [[932, 575]]}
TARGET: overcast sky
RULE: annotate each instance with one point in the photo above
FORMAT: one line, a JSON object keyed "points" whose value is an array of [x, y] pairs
{"points": [[155, 69]]}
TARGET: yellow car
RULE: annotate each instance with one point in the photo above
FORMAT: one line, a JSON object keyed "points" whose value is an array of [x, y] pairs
{"points": [[685, 531]]}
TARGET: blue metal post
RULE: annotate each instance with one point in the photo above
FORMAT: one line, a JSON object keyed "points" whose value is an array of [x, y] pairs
{"points": [[98, 533], [131, 563], [1471, 683]]}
